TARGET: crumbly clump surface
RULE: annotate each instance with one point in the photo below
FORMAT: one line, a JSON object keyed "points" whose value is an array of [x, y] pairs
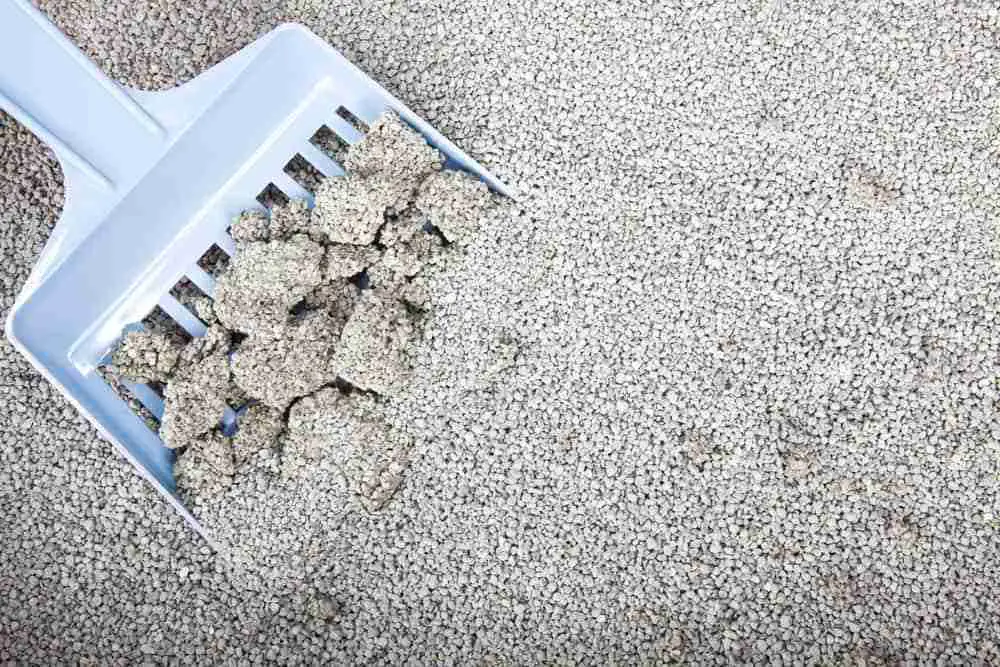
{"points": [[259, 428], [351, 209], [404, 260], [293, 362], [454, 202], [145, 356], [393, 153], [372, 352], [344, 261], [350, 431], [264, 280], [194, 400], [250, 226]]}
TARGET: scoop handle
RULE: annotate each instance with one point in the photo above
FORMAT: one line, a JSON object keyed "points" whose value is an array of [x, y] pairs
{"points": [[51, 87]]}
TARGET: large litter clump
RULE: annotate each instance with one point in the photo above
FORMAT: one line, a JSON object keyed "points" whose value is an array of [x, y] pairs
{"points": [[288, 362], [311, 325], [264, 281]]}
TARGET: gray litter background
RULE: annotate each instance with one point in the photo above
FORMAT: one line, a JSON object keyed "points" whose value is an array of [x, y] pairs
{"points": [[722, 389]]}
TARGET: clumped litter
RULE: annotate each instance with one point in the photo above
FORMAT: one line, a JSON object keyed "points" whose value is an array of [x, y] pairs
{"points": [[310, 327], [147, 356], [256, 292]]}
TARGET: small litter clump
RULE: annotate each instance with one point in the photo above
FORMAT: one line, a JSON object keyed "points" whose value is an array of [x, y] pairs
{"points": [[309, 332], [203, 308], [403, 261], [372, 350], [195, 400], [349, 431], [337, 298], [402, 227], [351, 209], [251, 226], [292, 218], [217, 339], [206, 466], [383, 173], [147, 356], [259, 429], [453, 203], [394, 154]]}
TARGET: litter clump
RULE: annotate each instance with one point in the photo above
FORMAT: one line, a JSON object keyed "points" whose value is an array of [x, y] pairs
{"points": [[322, 607], [293, 362], [453, 202], [145, 356], [206, 467], [217, 452], [351, 209], [372, 350], [251, 226], [264, 280], [383, 173], [337, 298], [344, 261], [309, 330], [216, 339], [259, 429], [194, 401], [281, 223], [402, 227], [292, 218], [404, 260], [203, 309], [396, 155]]}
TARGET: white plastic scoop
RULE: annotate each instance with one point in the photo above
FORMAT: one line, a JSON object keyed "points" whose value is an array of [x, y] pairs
{"points": [[152, 181]]}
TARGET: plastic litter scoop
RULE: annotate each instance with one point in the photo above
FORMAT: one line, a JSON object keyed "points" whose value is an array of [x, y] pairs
{"points": [[152, 181]]}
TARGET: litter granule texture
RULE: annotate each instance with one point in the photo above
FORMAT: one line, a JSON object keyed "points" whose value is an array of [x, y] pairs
{"points": [[401, 227], [338, 298], [393, 153], [720, 389], [251, 226], [351, 209], [295, 217], [344, 261], [404, 260], [350, 432], [259, 428]]}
